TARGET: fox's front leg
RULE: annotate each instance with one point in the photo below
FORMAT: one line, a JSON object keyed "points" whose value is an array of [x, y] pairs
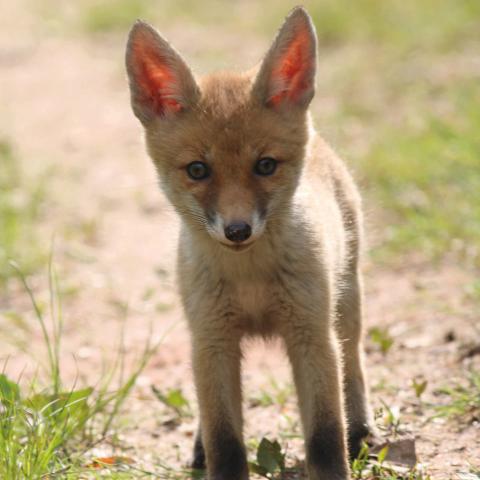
{"points": [[315, 365], [216, 366]]}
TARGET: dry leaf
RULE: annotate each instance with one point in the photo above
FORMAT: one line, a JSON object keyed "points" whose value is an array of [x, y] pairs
{"points": [[401, 451], [101, 462]]}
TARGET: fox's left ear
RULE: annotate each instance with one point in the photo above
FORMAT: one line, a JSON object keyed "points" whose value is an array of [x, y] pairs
{"points": [[287, 74], [161, 84]]}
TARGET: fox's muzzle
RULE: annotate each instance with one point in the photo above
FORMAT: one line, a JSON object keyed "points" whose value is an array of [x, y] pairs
{"points": [[238, 232]]}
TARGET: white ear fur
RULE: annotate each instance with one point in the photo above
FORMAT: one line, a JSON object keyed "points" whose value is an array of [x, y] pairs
{"points": [[161, 84], [287, 74]]}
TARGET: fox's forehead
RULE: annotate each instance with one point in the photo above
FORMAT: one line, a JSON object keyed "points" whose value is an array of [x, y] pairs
{"points": [[225, 95], [243, 135], [231, 121], [226, 121], [228, 142]]}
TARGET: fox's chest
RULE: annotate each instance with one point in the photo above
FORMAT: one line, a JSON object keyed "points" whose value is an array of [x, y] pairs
{"points": [[254, 303], [251, 298]]}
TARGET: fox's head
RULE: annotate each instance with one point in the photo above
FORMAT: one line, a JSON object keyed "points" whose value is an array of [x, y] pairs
{"points": [[228, 148]]}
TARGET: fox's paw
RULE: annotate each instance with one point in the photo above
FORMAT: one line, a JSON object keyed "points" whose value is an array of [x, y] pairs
{"points": [[358, 434]]}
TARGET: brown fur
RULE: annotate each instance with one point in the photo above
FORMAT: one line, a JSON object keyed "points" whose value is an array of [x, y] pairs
{"points": [[297, 279]]}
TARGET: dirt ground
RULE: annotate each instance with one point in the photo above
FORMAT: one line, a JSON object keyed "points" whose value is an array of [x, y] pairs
{"points": [[65, 104]]}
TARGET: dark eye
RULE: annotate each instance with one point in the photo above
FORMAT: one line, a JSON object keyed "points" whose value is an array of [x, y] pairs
{"points": [[265, 166], [198, 170]]}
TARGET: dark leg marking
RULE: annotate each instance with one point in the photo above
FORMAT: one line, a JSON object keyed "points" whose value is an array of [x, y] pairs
{"points": [[357, 433], [198, 453], [326, 451], [229, 461]]}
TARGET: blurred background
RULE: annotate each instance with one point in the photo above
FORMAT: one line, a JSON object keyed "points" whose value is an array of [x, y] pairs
{"points": [[398, 97]]}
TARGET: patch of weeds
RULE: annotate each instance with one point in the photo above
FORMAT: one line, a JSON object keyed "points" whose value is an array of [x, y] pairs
{"points": [[48, 432], [428, 179], [419, 386], [278, 395], [389, 417], [382, 338], [289, 427], [463, 399], [21, 201], [174, 400]]}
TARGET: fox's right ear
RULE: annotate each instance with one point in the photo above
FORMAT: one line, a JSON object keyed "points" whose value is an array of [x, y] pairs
{"points": [[161, 84], [287, 75]]}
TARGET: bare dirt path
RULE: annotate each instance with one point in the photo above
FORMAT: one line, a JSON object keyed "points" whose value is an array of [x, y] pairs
{"points": [[65, 106]]}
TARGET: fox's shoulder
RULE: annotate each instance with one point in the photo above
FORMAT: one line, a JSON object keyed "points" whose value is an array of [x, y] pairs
{"points": [[326, 171], [330, 199]]}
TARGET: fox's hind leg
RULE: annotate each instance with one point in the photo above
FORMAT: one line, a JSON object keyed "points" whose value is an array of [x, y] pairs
{"points": [[349, 329], [350, 316]]}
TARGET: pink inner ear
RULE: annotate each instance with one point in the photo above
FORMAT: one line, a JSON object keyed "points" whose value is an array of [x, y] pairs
{"points": [[155, 79], [292, 70]]}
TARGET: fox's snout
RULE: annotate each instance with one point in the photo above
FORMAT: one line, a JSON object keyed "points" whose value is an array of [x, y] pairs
{"points": [[238, 232]]}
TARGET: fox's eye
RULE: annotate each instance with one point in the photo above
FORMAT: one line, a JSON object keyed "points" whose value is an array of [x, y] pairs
{"points": [[265, 166], [198, 170]]}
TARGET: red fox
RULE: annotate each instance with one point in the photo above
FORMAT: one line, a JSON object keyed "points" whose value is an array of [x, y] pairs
{"points": [[270, 239]]}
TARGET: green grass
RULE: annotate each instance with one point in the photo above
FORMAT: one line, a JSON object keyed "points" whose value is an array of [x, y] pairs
{"points": [[21, 201], [48, 432], [428, 178], [277, 394], [463, 399], [381, 338], [175, 401]]}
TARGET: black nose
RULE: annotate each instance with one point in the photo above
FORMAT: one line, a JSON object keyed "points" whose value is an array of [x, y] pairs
{"points": [[238, 232]]}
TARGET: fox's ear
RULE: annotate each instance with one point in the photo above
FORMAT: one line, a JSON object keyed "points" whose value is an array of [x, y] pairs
{"points": [[287, 74], [161, 84]]}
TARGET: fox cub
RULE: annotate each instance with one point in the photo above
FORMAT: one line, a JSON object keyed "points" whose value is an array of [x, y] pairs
{"points": [[269, 243]]}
